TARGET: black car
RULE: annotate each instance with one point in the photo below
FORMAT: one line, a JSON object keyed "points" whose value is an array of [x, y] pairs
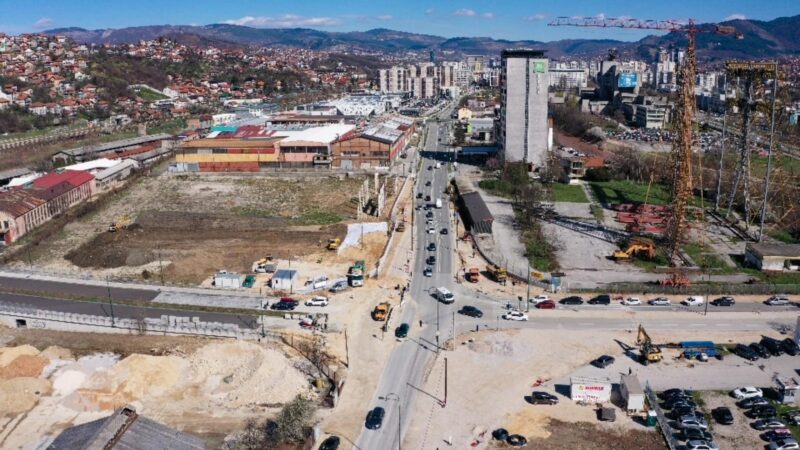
{"points": [[283, 306], [444, 231], [693, 434], [773, 345], [759, 350], [723, 301], [401, 331], [676, 402], [470, 311], [723, 415], [603, 299], [762, 412], [419, 194], [673, 392], [429, 215], [427, 183], [375, 418], [745, 352], [427, 198], [543, 398], [681, 411], [431, 260], [753, 402], [603, 361], [432, 247], [332, 443], [501, 434], [574, 300], [790, 347]]}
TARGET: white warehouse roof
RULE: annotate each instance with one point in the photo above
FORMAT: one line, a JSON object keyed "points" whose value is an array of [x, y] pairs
{"points": [[325, 134]]}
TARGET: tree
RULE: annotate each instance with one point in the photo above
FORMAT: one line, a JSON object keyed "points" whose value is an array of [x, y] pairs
{"points": [[292, 425], [460, 133]]}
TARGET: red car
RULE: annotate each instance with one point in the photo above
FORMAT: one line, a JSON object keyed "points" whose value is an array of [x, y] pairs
{"points": [[547, 304]]}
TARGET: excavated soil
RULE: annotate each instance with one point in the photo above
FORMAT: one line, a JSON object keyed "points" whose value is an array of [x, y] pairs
{"points": [[585, 436]]}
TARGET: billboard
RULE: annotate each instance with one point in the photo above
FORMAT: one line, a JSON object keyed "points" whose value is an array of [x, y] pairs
{"points": [[627, 80], [590, 390]]}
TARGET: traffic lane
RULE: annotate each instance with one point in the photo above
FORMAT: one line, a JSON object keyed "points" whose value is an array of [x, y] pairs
{"points": [[57, 288], [121, 311]]}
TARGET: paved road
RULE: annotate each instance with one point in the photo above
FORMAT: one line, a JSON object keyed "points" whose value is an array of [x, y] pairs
{"points": [[55, 288], [120, 311]]}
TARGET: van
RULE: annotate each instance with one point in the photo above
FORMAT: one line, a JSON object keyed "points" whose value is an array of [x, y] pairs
{"points": [[445, 296], [438, 203]]}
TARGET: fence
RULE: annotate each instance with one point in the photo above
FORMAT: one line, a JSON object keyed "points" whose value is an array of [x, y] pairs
{"points": [[707, 289], [663, 423]]}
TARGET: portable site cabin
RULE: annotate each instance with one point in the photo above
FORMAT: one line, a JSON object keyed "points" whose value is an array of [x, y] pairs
{"points": [[228, 280], [632, 393], [284, 280]]}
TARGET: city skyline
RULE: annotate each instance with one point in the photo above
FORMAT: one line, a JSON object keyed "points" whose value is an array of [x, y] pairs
{"points": [[514, 19]]}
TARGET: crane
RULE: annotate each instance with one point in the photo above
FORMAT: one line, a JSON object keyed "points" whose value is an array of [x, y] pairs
{"points": [[684, 107]]}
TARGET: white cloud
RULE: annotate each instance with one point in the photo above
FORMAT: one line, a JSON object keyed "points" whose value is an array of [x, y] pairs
{"points": [[429, 11], [284, 21], [736, 17], [464, 12], [44, 22], [535, 17], [385, 17], [488, 15]]}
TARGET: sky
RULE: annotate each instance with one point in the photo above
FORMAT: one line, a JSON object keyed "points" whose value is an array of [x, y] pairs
{"points": [[502, 19]]}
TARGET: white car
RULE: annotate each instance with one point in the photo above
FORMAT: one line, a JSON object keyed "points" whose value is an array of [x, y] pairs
{"points": [[539, 299], [777, 300], [784, 444], [431, 230], [317, 301], [701, 445], [693, 300], [515, 315], [747, 392], [632, 301], [692, 421], [660, 301]]}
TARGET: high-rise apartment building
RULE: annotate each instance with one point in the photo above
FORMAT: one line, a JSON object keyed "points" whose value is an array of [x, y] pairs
{"points": [[523, 134]]}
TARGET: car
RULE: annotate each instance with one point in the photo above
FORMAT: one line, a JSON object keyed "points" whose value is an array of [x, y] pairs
{"points": [[746, 352], [573, 300], [660, 301], [427, 183], [722, 415], [792, 416], [763, 412], [675, 402], [602, 299], [515, 315], [784, 444], [516, 440], [723, 301], [673, 392], [681, 411], [790, 347], [402, 330], [419, 194], [778, 433], [693, 300], [760, 350], [427, 198], [430, 167], [338, 286], [432, 247], [500, 434], [692, 421], [746, 392], [538, 299], [700, 444], [768, 424], [283, 306], [753, 402], [470, 311], [774, 346], [444, 231], [429, 215], [632, 301], [777, 300], [696, 434], [603, 361], [375, 418], [430, 260], [547, 304], [431, 230], [332, 443], [543, 398], [428, 272], [317, 301]]}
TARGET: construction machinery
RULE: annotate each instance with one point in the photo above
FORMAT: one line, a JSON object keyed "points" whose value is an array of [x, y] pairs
{"points": [[333, 244], [355, 275], [473, 275], [637, 246], [500, 274], [676, 279], [648, 352], [381, 311], [265, 265], [120, 223], [401, 226]]}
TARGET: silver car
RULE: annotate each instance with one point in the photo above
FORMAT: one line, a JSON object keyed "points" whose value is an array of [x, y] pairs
{"points": [[660, 301]]}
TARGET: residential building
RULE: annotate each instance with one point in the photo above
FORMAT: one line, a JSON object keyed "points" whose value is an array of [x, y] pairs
{"points": [[568, 78], [651, 116]]}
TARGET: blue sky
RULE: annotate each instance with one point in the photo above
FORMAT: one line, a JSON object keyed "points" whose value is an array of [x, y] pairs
{"points": [[508, 19]]}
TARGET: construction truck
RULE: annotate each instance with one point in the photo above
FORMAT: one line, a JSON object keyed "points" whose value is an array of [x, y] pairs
{"points": [[333, 244], [637, 246], [265, 265], [355, 275], [401, 226], [500, 274], [473, 275], [648, 352], [381, 311], [121, 223]]}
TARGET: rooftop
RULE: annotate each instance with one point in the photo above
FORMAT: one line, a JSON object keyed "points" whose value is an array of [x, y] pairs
{"points": [[115, 144], [229, 143], [777, 249], [324, 134]]}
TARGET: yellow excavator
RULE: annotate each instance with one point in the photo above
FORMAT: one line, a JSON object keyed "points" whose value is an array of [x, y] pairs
{"points": [[637, 246], [648, 352], [120, 223], [333, 244]]}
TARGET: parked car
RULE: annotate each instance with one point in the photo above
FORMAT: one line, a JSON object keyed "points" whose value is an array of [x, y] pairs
{"points": [[602, 299], [792, 416], [768, 424], [539, 299], [470, 311], [431, 230], [543, 398], [401, 331], [428, 183], [429, 215], [723, 415], [675, 402], [784, 444], [375, 418], [515, 315], [759, 350], [419, 194], [681, 411], [632, 301], [774, 346], [693, 300], [500, 434], [283, 306], [778, 433], [701, 445], [696, 434], [573, 300], [660, 301], [777, 300], [547, 304], [317, 301], [746, 392], [791, 347], [332, 443], [723, 301], [745, 352], [516, 440], [692, 421], [763, 412], [673, 392], [753, 402], [603, 361], [338, 286]]}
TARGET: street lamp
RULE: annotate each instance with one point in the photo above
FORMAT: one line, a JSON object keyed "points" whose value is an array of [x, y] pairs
{"points": [[394, 397]]}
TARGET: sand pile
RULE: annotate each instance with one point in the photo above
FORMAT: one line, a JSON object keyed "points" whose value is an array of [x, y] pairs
{"points": [[9, 354], [24, 366], [21, 394]]}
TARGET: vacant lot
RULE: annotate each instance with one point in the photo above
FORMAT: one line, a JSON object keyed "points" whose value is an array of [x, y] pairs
{"points": [[569, 193], [191, 226], [609, 192]]}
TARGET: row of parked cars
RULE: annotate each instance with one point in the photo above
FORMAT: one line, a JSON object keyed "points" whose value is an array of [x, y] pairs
{"points": [[765, 415], [767, 348], [691, 423], [544, 302]]}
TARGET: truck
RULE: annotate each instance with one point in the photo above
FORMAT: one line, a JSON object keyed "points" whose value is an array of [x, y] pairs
{"points": [[401, 226], [381, 311], [473, 275], [438, 203], [355, 275], [500, 274]]}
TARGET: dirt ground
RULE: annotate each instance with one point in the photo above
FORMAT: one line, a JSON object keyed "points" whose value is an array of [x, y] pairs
{"points": [[730, 437], [585, 436], [190, 227]]}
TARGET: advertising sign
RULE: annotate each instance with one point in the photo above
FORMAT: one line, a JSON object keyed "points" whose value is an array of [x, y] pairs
{"points": [[539, 66], [590, 391], [627, 80]]}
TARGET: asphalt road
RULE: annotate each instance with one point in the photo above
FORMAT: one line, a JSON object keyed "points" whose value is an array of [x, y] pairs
{"points": [[55, 288]]}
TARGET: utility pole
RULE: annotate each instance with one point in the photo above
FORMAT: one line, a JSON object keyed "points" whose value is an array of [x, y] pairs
{"points": [[444, 404], [110, 303], [346, 350], [160, 265], [528, 298]]}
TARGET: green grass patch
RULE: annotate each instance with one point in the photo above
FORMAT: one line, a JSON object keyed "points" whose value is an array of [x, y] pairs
{"points": [[782, 409], [651, 264], [149, 95], [568, 193], [168, 127], [598, 213], [494, 186], [783, 236], [318, 218], [246, 211], [624, 191], [704, 257]]}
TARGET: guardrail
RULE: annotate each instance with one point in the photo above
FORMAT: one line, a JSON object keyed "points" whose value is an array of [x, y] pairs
{"points": [[707, 289], [663, 423]]}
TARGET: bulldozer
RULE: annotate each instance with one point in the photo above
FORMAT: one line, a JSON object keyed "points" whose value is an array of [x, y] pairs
{"points": [[648, 352], [500, 274], [381, 311], [333, 244], [120, 223], [637, 246]]}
